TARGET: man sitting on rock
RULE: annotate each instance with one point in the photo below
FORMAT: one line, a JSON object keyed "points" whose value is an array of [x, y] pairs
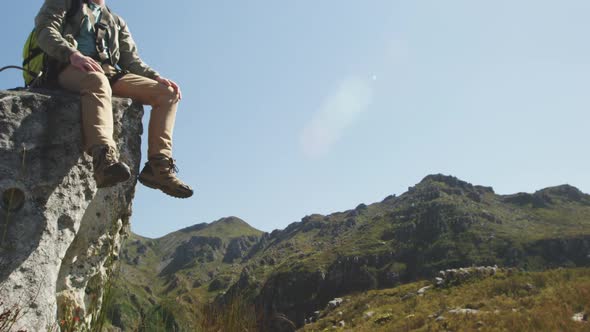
{"points": [[98, 58]]}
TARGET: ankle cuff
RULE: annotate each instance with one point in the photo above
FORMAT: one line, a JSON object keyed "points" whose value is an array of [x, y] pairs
{"points": [[159, 156]]}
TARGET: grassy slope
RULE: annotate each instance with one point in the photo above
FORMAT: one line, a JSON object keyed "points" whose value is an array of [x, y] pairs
{"points": [[533, 301], [141, 287]]}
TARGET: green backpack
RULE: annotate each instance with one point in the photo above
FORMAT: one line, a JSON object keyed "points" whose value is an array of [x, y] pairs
{"points": [[36, 63]]}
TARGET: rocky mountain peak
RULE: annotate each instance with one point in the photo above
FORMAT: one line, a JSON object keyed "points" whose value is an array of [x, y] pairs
{"points": [[449, 180], [435, 185], [230, 220], [548, 196], [566, 192]]}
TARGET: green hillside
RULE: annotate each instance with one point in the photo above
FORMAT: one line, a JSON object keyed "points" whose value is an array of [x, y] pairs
{"points": [[287, 275], [555, 300], [163, 282]]}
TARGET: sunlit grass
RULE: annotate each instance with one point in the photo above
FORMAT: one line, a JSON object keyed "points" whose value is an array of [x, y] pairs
{"points": [[524, 301]]}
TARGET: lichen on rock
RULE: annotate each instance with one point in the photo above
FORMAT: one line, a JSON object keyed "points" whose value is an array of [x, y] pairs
{"points": [[59, 234]]}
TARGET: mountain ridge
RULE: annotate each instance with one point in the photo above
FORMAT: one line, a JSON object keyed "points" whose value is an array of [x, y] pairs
{"points": [[438, 177], [441, 222]]}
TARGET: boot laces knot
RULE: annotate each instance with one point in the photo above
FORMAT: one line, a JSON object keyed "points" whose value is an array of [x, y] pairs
{"points": [[110, 154], [173, 168]]}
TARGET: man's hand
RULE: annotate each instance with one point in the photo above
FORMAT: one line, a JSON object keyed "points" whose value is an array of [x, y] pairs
{"points": [[85, 63], [171, 84]]}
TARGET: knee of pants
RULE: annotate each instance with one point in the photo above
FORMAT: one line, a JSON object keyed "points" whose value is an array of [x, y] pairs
{"points": [[96, 82], [166, 96]]}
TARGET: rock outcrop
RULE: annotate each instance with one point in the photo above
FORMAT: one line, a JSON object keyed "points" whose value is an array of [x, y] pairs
{"points": [[59, 234], [199, 249], [238, 247], [454, 277]]}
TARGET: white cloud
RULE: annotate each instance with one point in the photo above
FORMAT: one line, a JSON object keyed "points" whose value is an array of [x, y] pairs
{"points": [[338, 111]]}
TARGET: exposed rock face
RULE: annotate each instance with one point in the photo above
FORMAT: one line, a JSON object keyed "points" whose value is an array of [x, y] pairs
{"points": [[198, 249], [237, 247], [548, 196], [59, 234], [297, 294], [457, 276]]}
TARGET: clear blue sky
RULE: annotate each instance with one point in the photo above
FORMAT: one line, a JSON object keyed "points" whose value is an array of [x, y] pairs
{"points": [[299, 107]]}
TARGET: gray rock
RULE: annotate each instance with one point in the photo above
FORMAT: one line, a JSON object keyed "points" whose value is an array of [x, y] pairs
{"points": [[580, 317], [334, 303], [423, 290], [201, 249], [59, 240], [238, 247], [408, 296], [439, 281], [458, 276], [464, 311]]}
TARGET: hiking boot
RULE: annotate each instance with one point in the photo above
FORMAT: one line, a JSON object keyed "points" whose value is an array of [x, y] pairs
{"points": [[160, 173], [108, 170]]}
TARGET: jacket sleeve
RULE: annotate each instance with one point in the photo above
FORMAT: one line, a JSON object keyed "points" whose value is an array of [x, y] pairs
{"points": [[49, 25], [130, 59]]}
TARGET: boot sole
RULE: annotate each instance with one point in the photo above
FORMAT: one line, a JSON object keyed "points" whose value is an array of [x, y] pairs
{"points": [[154, 185], [109, 181]]}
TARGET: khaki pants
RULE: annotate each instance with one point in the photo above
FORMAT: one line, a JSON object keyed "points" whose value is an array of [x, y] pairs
{"points": [[97, 110]]}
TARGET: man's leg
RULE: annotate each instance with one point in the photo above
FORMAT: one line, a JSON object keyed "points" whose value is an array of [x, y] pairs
{"points": [[158, 172], [97, 124], [163, 101], [97, 108]]}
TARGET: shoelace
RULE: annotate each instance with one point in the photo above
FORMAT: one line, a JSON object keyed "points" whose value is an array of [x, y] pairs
{"points": [[173, 167], [110, 154]]}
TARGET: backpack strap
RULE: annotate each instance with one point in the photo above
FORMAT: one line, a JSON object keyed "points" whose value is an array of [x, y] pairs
{"points": [[100, 33], [102, 28], [33, 52]]}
